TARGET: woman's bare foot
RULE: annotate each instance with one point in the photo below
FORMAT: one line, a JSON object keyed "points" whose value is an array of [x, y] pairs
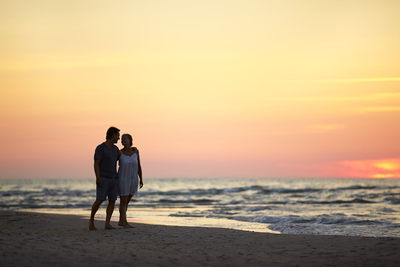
{"points": [[108, 226], [91, 225], [120, 223], [127, 225]]}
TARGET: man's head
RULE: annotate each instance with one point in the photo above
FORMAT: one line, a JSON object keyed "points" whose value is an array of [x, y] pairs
{"points": [[113, 134]]}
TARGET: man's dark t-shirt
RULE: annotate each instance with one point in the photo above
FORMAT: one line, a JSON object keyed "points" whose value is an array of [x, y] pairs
{"points": [[108, 160]]}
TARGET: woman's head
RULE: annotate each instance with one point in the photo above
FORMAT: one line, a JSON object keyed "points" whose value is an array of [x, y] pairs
{"points": [[126, 140]]}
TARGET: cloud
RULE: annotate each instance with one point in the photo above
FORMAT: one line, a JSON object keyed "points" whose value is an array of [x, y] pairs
{"points": [[359, 80], [381, 109], [322, 128], [374, 168]]}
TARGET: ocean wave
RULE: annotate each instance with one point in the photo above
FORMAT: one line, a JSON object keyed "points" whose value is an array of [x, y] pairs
{"points": [[339, 219], [363, 207], [188, 201], [198, 192], [338, 201], [194, 192], [263, 190], [41, 205], [178, 214], [323, 229], [358, 187], [221, 191], [250, 191], [393, 200], [258, 208], [387, 210], [46, 192]]}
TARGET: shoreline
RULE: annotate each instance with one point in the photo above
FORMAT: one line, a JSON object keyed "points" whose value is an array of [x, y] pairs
{"points": [[48, 239], [142, 216], [327, 207]]}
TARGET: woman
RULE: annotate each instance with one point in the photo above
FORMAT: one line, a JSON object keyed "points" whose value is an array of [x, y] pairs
{"points": [[128, 173]]}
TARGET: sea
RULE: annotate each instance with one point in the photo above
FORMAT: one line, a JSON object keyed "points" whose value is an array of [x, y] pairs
{"points": [[350, 207]]}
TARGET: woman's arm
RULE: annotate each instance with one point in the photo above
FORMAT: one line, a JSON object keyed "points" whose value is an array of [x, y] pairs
{"points": [[139, 169]]}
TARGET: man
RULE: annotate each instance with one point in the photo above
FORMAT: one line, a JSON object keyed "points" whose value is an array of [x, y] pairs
{"points": [[105, 168]]}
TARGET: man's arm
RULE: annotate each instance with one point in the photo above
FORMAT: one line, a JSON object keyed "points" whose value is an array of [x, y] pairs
{"points": [[97, 171]]}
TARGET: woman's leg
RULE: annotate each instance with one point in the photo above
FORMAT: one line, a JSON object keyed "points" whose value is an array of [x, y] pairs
{"points": [[125, 221], [129, 197], [122, 210]]}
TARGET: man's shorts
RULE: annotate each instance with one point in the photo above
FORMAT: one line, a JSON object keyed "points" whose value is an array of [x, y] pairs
{"points": [[109, 188]]}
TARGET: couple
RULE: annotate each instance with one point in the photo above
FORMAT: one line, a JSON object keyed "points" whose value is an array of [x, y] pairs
{"points": [[109, 183]]}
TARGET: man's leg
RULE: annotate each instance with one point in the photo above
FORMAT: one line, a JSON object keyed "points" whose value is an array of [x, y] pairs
{"points": [[110, 209], [95, 207], [112, 194]]}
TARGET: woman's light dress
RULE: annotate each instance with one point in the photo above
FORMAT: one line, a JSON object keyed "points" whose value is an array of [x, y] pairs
{"points": [[128, 174]]}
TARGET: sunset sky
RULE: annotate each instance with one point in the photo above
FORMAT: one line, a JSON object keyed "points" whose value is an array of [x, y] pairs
{"points": [[221, 88]]}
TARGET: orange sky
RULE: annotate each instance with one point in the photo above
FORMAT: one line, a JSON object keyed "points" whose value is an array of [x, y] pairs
{"points": [[206, 88]]}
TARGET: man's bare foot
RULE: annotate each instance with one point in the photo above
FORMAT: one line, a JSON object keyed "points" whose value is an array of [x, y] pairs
{"points": [[120, 223], [108, 226], [91, 225]]}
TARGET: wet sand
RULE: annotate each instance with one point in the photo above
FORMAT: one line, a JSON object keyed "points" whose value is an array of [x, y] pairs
{"points": [[34, 239]]}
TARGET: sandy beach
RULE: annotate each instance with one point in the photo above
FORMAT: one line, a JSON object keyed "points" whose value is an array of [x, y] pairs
{"points": [[35, 239]]}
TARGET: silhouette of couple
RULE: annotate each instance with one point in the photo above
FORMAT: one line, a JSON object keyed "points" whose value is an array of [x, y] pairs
{"points": [[109, 182]]}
